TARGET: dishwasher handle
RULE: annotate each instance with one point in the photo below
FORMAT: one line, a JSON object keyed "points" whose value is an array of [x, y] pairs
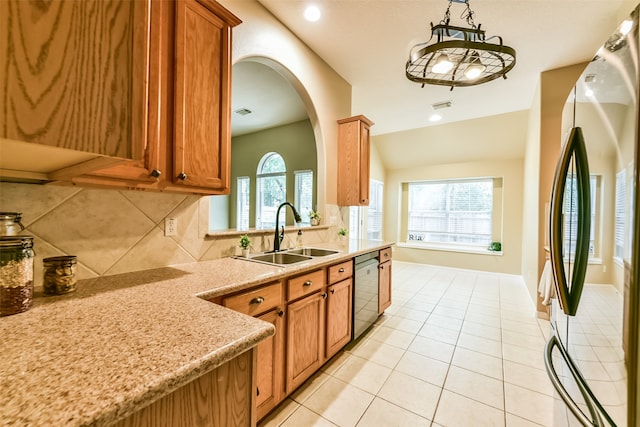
{"points": [[366, 264]]}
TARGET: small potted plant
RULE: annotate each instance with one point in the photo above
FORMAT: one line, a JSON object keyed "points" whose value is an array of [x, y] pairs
{"points": [[495, 247], [245, 243], [315, 217], [342, 233]]}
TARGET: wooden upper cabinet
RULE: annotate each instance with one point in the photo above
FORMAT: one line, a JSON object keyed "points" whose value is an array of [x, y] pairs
{"points": [[202, 107], [353, 161], [189, 136], [189, 144], [74, 75]]}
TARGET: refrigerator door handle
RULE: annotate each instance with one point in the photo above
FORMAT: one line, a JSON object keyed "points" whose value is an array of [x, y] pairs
{"points": [[574, 150], [594, 407]]}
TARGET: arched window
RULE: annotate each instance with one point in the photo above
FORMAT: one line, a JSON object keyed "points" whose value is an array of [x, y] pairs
{"points": [[271, 182]]}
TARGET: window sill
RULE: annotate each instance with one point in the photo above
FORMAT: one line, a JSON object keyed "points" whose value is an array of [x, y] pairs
{"points": [[451, 248], [260, 232]]}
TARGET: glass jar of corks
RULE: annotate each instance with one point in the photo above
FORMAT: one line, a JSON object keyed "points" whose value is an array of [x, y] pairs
{"points": [[59, 274], [16, 274], [10, 224]]}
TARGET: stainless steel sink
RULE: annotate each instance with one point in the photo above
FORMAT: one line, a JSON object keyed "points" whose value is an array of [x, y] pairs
{"points": [[291, 256], [279, 258], [312, 252]]}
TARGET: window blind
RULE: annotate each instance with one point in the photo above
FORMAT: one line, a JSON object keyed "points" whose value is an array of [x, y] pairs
{"points": [[452, 211]]}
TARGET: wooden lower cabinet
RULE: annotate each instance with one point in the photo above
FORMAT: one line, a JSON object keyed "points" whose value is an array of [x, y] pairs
{"points": [[220, 398], [270, 365], [265, 303], [313, 322], [339, 309], [384, 280], [384, 286], [305, 339]]}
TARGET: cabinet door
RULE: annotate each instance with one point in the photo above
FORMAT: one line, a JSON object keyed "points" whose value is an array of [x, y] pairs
{"points": [[305, 338], [353, 161], [270, 366], [202, 137], [384, 283], [339, 297], [364, 163], [75, 74], [219, 398], [146, 169]]}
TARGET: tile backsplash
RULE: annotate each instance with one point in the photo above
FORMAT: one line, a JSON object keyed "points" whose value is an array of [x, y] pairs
{"points": [[114, 231]]}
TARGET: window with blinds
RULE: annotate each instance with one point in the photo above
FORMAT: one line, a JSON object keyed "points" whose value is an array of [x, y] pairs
{"points": [[451, 211], [242, 203], [374, 214], [620, 214], [271, 182], [303, 197], [570, 214]]}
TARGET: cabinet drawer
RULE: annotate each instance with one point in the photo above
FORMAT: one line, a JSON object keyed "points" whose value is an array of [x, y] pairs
{"points": [[305, 284], [340, 271], [385, 254], [256, 301]]}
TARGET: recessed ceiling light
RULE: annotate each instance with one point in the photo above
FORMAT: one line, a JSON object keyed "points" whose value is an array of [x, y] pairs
{"points": [[588, 92], [626, 27], [243, 111], [312, 13], [435, 118]]}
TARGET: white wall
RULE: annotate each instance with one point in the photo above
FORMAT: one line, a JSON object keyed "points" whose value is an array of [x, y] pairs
{"points": [[530, 230], [478, 133]]}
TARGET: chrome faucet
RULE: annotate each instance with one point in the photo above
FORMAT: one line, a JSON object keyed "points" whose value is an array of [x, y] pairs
{"points": [[278, 237]]}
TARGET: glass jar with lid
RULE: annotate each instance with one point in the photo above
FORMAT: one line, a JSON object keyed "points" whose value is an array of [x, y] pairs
{"points": [[10, 224], [59, 274], [16, 274]]}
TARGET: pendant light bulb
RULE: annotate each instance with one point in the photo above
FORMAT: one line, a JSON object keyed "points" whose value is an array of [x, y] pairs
{"points": [[443, 65], [475, 68]]}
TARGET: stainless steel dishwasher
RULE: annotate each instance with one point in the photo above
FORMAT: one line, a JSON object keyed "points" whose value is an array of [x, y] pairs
{"points": [[365, 292]]}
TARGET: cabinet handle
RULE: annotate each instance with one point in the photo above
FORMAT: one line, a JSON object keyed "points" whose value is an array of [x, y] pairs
{"points": [[386, 255], [325, 295], [257, 391], [341, 270], [182, 176], [258, 300], [307, 283], [155, 173], [381, 267], [280, 313], [333, 291]]}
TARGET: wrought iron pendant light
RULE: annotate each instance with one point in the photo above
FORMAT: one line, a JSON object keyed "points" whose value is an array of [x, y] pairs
{"points": [[459, 56]]}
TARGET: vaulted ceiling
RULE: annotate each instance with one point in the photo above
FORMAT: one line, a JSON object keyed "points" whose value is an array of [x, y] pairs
{"points": [[367, 42]]}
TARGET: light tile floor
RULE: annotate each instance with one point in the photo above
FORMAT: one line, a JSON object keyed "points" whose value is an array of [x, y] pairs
{"points": [[457, 348]]}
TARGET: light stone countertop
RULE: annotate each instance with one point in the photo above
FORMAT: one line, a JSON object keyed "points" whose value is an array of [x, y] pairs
{"points": [[121, 342]]}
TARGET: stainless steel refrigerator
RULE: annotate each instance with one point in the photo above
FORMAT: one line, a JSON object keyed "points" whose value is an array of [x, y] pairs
{"points": [[592, 356]]}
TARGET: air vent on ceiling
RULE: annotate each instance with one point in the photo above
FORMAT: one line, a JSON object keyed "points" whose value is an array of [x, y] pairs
{"points": [[243, 111], [441, 105], [590, 78]]}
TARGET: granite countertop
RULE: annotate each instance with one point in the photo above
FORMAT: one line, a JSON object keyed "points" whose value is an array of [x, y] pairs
{"points": [[121, 342]]}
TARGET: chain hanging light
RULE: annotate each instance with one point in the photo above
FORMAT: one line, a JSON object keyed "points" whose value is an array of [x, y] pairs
{"points": [[459, 56]]}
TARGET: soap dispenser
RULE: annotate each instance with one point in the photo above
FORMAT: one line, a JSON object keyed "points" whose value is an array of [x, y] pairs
{"points": [[299, 239]]}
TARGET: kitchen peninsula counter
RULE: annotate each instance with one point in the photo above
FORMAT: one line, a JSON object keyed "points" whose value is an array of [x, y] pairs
{"points": [[120, 343]]}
